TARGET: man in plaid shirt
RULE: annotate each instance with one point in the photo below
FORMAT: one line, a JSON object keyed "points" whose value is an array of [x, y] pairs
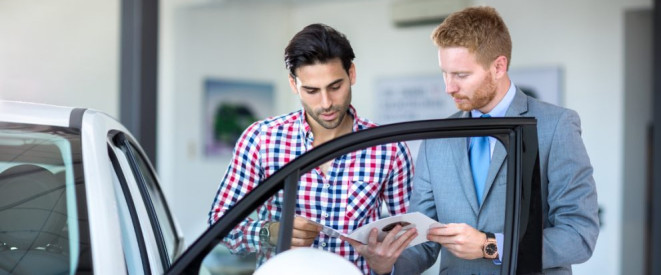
{"points": [[344, 193]]}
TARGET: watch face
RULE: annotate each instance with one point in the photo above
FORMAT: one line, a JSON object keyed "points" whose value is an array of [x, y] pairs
{"points": [[491, 249]]}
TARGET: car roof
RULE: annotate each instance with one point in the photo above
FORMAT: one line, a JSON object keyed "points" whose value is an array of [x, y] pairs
{"points": [[35, 113]]}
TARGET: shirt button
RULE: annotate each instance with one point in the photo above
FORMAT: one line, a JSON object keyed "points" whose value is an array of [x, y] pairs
{"points": [[326, 185], [326, 215], [323, 244]]}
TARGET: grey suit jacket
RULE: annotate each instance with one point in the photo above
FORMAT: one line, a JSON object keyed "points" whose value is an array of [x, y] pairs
{"points": [[443, 189]]}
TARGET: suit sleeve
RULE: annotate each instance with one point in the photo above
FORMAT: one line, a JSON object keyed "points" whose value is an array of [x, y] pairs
{"points": [[572, 227], [416, 259]]}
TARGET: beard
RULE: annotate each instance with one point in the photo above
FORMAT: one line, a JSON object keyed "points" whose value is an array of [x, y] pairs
{"points": [[341, 110], [484, 94]]}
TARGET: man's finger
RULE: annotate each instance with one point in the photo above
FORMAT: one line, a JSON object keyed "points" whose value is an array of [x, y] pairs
{"points": [[352, 242], [301, 242], [447, 230], [373, 237], [392, 235], [303, 234], [441, 239], [405, 239], [306, 225]]}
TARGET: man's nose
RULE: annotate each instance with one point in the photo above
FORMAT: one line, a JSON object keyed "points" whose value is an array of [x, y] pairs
{"points": [[326, 101], [450, 86]]}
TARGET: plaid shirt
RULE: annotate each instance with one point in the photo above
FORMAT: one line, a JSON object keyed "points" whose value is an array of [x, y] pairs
{"points": [[347, 198]]}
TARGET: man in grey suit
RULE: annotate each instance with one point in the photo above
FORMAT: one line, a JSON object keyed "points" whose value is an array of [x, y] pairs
{"points": [[474, 51]]}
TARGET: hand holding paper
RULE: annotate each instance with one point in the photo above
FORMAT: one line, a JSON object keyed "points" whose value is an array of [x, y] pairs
{"points": [[407, 221], [382, 241]]}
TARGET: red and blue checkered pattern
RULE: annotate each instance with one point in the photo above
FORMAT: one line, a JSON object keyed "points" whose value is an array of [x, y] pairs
{"points": [[348, 197]]}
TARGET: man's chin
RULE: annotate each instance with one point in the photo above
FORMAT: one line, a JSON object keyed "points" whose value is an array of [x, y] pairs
{"points": [[464, 107], [330, 126]]}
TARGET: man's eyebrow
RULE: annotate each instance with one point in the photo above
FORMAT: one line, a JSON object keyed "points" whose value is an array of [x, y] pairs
{"points": [[335, 82], [314, 88], [455, 72], [309, 87]]}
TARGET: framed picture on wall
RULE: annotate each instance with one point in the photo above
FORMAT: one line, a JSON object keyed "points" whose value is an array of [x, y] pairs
{"points": [[230, 106]]}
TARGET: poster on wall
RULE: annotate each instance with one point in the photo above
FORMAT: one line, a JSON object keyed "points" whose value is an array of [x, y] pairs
{"points": [[230, 106]]}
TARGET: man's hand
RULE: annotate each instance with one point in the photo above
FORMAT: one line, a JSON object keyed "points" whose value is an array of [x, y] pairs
{"points": [[381, 256], [303, 235], [460, 239]]}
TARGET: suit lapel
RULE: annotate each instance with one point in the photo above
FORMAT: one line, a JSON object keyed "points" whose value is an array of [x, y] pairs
{"points": [[518, 107]]}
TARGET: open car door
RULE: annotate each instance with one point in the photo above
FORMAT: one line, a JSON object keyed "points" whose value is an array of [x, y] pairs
{"points": [[522, 249]]}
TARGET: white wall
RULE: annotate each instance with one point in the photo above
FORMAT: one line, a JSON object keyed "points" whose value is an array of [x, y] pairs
{"points": [[63, 52]]}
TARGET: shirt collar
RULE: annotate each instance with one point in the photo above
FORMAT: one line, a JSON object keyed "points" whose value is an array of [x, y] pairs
{"points": [[503, 105]]}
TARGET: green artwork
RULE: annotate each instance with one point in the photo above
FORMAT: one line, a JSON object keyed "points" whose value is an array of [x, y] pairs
{"points": [[230, 106], [230, 121]]}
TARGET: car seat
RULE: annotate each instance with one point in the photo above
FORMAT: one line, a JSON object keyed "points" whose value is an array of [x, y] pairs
{"points": [[32, 221]]}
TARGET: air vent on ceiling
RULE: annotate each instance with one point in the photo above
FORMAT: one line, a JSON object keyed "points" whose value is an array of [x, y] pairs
{"points": [[406, 13]]}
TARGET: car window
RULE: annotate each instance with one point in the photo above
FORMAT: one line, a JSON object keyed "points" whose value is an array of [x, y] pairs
{"points": [[161, 220], [513, 201], [133, 240], [42, 204], [236, 254], [160, 205]]}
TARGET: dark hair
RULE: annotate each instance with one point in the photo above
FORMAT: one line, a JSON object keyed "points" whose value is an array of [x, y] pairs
{"points": [[317, 43]]}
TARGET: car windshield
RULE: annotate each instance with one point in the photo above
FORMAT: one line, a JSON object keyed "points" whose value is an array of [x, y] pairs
{"points": [[40, 228]]}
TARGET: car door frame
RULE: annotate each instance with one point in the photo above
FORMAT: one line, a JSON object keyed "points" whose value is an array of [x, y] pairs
{"points": [[522, 249]]}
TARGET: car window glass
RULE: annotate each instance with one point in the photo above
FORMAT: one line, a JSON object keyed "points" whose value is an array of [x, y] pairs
{"points": [[239, 251], [38, 202], [130, 232], [363, 186], [160, 206]]}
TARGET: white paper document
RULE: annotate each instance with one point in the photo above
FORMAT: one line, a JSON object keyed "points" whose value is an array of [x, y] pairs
{"points": [[409, 220]]}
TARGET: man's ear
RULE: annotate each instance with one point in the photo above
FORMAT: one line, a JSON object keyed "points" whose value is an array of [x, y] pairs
{"points": [[292, 84], [500, 66]]}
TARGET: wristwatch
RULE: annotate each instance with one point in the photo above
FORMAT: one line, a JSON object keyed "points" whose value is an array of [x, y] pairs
{"points": [[265, 235], [490, 248]]}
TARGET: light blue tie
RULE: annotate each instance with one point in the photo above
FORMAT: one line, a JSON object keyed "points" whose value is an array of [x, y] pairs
{"points": [[480, 158]]}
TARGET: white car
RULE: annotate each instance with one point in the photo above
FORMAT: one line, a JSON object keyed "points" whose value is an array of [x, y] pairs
{"points": [[78, 195]]}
